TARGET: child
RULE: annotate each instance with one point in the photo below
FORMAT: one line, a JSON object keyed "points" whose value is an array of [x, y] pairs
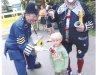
{"points": [[49, 24], [58, 55]]}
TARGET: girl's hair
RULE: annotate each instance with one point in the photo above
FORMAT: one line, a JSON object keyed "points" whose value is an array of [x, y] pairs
{"points": [[56, 35]]}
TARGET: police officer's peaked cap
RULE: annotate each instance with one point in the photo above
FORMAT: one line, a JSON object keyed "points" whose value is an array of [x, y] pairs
{"points": [[31, 8]]}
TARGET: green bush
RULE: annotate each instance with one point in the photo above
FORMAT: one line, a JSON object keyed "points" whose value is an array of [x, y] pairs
{"points": [[92, 8], [85, 1], [59, 2]]}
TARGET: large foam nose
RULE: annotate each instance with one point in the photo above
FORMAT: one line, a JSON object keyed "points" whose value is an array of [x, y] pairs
{"points": [[35, 19]]}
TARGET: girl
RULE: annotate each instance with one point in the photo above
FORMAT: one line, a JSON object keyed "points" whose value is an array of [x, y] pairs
{"points": [[42, 14]]}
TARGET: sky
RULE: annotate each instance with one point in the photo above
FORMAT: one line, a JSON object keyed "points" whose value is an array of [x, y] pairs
{"points": [[13, 1]]}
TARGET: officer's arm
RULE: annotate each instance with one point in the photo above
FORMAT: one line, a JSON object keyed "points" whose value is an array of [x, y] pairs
{"points": [[88, 19], [21, 40]]}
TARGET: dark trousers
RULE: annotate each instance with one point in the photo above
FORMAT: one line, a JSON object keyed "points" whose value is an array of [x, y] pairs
{"points": [[20, 64]]}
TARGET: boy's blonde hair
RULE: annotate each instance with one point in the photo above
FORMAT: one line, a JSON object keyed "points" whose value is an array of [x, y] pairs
{"points": [[56, 35]]}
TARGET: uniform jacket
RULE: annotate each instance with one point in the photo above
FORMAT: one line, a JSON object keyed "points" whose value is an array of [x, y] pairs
{"points": [[16, 44]]}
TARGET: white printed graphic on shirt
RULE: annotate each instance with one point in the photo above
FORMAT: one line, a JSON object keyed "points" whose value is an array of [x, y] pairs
{"points": [[57, 56]]}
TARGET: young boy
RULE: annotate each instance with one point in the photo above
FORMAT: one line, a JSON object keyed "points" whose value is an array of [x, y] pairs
{"points": [[58, 55]]}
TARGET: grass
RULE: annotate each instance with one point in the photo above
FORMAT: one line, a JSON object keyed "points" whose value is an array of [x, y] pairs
{"points": [[92, 32]]}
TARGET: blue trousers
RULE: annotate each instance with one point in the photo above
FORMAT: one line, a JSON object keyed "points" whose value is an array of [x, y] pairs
{"points": [[20, 64]]}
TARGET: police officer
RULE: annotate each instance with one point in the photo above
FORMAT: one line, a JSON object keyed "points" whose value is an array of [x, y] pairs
{"points": [[74, 30], [17, 45]]}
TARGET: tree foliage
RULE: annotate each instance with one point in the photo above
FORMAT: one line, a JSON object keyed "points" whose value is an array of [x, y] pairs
{"points": [[92, 8], [5, 4], [56, 1], [23, 4], [85, 1]]}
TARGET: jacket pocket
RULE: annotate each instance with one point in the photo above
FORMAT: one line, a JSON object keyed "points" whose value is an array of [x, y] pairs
{"points": [[15, 54]]}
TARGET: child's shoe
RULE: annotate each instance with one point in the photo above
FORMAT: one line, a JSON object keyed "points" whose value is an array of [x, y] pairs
{"points": [[79, 73], [69, 72]]}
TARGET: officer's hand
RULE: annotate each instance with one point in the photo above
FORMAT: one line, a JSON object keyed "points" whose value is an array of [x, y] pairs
{"points": [[80, 28], [33, 52], [51, 14], [38, 48]]}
